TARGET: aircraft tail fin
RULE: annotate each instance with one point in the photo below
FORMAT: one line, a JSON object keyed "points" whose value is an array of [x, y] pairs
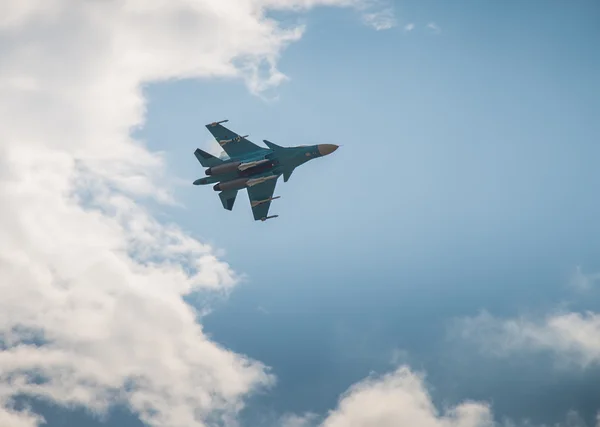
{"points": [[206, 159], [273, 146], [228, 198]]}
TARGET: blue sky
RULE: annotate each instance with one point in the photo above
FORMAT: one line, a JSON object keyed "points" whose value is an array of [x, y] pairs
{"points": [[465, 183]]}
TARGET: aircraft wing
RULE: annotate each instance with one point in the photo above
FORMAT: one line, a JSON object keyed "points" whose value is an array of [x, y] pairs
{"points": [[261, 193], [233, 144]]}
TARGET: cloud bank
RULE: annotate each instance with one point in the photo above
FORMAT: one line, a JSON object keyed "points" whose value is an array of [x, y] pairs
{"points": [[92, 311], [399, 398], [573, 337]]}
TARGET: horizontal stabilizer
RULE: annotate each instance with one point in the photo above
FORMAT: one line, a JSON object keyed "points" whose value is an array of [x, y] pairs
{"points": [[228, 198], [206, 159]]}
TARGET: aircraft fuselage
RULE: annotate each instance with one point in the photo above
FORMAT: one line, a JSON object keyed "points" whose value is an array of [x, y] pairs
{"points": [[251, 167], [266, 163], [236, 174]]}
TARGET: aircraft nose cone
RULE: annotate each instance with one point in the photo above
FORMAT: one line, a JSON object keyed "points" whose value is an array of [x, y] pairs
{"points": [[325, 149]]}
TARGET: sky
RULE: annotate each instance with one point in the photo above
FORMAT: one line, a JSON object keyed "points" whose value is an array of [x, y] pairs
{"points": [[441, 268]]}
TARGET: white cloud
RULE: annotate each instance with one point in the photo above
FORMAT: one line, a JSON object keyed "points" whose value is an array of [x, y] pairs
{"points": [[434, 28], [380, 20], [574, 337], [583, 282], [400, 398], [92, 285], [409, 27]]}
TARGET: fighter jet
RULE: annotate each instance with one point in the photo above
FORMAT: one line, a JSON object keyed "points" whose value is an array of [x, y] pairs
{"points": [[251, 167]]}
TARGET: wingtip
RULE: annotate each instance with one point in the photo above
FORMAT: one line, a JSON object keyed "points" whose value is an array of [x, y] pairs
{"points": [[269, 217], [217, 123]]}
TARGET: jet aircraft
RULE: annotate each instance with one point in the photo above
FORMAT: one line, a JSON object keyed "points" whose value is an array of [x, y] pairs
{"points": [[251, 167]]}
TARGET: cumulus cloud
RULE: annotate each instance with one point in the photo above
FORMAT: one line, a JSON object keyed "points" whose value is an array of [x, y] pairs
{"points": [[574, 337], [399, 398], [380, 20], [92, 285]]}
